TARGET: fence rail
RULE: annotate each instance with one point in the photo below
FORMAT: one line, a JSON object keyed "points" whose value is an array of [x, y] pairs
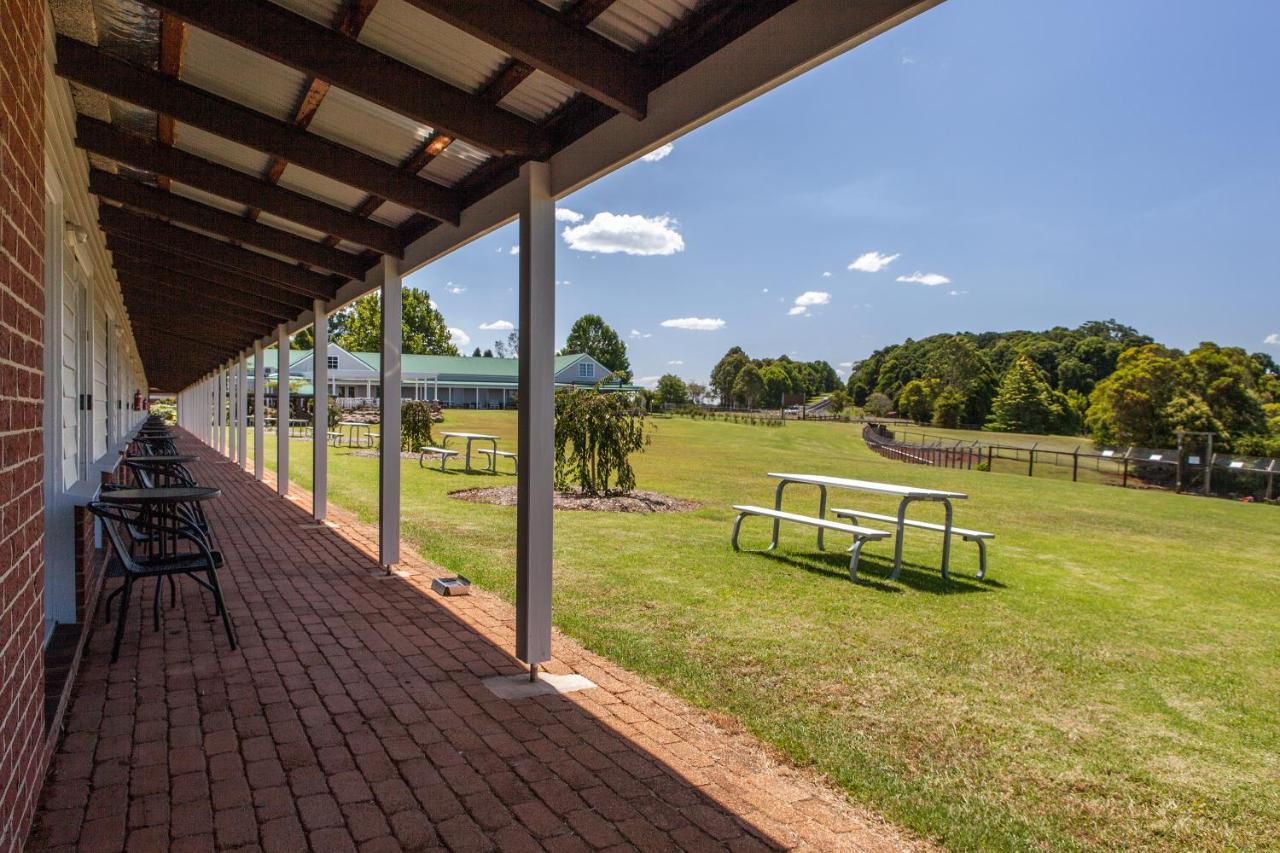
{"points": [[1223, 475]]}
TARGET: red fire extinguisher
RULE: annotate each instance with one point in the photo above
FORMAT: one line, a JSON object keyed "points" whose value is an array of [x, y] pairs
{"points": [[137, 401]]}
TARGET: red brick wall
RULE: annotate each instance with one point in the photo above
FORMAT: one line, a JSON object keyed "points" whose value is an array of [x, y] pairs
{"points": [[21, 391]]}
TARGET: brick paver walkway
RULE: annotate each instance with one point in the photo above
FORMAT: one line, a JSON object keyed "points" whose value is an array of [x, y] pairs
{"points": [[353, 717]]}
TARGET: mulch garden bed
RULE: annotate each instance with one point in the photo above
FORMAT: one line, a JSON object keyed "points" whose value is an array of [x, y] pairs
{"points": [[577, 502]]}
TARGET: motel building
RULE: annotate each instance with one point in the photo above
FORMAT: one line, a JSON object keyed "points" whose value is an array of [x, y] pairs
{"points": [[183, 185], [457, 382]]}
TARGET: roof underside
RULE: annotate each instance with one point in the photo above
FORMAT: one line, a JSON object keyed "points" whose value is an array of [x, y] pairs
{"points": [[250, 157]]}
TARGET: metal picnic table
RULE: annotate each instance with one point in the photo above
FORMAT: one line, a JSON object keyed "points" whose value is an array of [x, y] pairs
{"points": [[906, 493], [353, 439], [469, 437]]}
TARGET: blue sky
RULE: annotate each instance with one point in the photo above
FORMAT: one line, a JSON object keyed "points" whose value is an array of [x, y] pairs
{"points": [[1055, 161]]}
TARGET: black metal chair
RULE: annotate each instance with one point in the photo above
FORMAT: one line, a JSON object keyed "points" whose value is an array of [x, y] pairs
{"points": [[123, 525]]}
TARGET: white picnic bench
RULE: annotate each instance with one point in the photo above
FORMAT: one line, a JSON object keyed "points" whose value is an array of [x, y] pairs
{"points": [[496, 454], [443, 452], [906, 494], [861, 535]]}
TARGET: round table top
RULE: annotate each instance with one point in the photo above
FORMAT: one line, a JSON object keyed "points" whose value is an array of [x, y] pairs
{"points": [[161, 459], [163, 495], [153, 437]]}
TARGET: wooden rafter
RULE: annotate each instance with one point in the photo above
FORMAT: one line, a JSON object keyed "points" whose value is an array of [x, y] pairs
{"points": [[187, 303], [173, 37], [178, 209], [330, 56], [538, 36], [91, 67], [143, 229], [101, 138], [195, 292], [184, 271]]}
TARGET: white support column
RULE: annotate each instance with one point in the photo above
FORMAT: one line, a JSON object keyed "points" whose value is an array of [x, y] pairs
{"points": [[320, 424], [242, 421], [535, 484], [259, 427], [282, 410], [220, 402], [233, 410], [389, 405]]}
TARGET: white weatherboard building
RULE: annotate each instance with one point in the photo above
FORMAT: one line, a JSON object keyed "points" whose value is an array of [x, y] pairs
{"points": [[456, 381]]}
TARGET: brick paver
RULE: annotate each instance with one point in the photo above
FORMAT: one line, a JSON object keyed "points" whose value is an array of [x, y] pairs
{"points": [[353, 717]]}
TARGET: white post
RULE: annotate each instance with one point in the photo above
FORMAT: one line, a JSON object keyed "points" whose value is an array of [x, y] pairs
{"points": [[320, 424], [221, 392], [282, 410], [233, 410], [259, 427], [535, 484], [389, 406], [242, 422]]}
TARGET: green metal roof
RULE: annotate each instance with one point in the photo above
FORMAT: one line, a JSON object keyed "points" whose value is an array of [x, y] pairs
{"points": [[460, 366]]}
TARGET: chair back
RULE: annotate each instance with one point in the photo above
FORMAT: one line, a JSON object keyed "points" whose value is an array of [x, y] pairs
{"points": [[119, 522]]}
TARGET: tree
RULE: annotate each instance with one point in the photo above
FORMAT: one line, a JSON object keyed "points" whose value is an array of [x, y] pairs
{"points": [[1130, 406], [477, 353], [595, 434], [725, 373], [510, 348], [916, 400], [672, 391], [878, 404], [306, 339], [840, 401], [488, 353], [359, 327], [696, 392], [748, 386], [590, 334], [948, 407], [776, 383], [1025, 402]]}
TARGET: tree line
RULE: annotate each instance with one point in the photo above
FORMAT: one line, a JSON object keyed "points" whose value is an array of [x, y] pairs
{"points": [[1101, 378]]}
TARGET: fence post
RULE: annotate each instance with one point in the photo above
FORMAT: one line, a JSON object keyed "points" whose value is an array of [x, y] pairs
{"points": [[1208, 465], [1125, 480], [1075, 463], [1031, 460], [1271, 476], [991, 457]]}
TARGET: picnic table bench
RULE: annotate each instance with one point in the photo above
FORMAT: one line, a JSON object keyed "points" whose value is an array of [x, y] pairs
{"points": [[861, 535], [493, 457], [443, 452], [978, 536]]}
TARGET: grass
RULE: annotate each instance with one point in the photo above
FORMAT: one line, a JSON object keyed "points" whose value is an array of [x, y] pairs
{"points": [[1115, 684]]}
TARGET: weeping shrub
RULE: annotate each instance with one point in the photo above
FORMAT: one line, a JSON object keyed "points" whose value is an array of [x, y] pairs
{"points": [[596, 432], [415, 425]]}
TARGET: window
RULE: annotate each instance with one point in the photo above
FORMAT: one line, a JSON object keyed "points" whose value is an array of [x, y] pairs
{"points": [[332, 362], [586, 370]]}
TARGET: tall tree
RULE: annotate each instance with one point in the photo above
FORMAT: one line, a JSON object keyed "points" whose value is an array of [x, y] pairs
{"points": [[672, 391], [592, 335], [1025, 402], [425, 333], [748, 386], [725, 373]]}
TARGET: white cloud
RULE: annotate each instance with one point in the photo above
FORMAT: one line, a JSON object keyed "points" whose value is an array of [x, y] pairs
{"points": [[659, 153], [872, 262], [677, 361], [797, 310], [813, 297], [648, 381], [765, 290], [459, 337], [928, 279], [608, 233], [826, 275], [1273, 339], [956, 292], [636, 333], [696, 324], [564, 214], [846, 364], [455, 288], [498, 326], [514, 250]]}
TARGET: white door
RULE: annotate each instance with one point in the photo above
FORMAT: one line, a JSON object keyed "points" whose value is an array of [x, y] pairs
{"points": [[100, 395], [69, 387]]}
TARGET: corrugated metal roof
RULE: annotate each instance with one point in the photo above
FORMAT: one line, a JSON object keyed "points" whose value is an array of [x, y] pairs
{"points": [[365, 126], [538, 95], [454, 163], [635, 23], [207, 198], [429, 44], [219, 150], [318, 186], [320, 11], [290, 226], [390, 213], [216, 65]]}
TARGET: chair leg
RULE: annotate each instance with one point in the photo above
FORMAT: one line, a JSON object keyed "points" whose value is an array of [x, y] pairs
{"points": [[173, 592], [107, 607], [855, 552], [221, 606], [737, 527], [982, 558], [124, 611], [155, 604]]}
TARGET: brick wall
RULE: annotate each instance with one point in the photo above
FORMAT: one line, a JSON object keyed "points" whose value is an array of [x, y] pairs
{"points": [[21, 390]]}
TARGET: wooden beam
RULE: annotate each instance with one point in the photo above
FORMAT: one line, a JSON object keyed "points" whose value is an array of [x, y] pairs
{"points": [[146, 88], [162, 276], [192, 293], [210, 334], [156, 304], [179, 209], [583, 12], [116, 220], [535, 34], [328, 55], [705, 31], [173, 36], [103, 139], [150, 258]]}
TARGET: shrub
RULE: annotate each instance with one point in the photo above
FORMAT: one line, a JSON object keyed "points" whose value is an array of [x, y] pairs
{"points": [[415, 425], [596, 433]]}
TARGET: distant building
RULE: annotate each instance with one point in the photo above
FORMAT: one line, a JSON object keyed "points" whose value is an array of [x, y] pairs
{"points": [[456, 381]]}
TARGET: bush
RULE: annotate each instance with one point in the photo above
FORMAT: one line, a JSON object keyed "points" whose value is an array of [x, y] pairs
{"points": [[596, 433], [415, 425], [168, 411]]}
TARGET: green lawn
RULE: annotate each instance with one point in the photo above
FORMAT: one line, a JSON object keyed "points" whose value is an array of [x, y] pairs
{"points": [[1115, 684]]}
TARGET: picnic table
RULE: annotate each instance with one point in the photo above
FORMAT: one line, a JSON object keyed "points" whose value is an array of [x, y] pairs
{"points": [[470, 437], [906, 494], [353, 434]]}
